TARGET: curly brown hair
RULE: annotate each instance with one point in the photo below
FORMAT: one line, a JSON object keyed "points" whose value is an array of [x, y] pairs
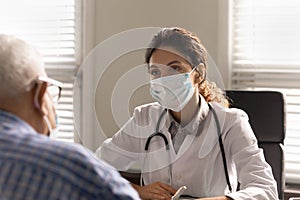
{"points": [[188, 45]]}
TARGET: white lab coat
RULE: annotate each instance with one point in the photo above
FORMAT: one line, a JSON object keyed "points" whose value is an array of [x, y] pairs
{"points": [[198, 164]]}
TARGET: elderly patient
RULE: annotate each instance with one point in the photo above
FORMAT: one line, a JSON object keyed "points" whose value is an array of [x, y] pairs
{"points": [[33, 166]]}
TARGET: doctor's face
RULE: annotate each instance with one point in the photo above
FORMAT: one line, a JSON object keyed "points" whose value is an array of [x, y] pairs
{"points": [[165, 63]]}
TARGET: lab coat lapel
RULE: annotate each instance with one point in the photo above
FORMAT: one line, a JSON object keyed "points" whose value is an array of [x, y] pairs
{"points": [[211, 135]]}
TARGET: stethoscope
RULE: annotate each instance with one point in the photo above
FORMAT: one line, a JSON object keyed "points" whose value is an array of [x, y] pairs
{"points": [[158, 133]]}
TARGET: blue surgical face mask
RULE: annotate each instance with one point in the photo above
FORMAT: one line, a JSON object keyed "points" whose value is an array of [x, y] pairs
{"points": [[173, 92]]}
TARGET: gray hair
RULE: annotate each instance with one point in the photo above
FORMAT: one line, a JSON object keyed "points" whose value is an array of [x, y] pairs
{"points": [[20, 64]]}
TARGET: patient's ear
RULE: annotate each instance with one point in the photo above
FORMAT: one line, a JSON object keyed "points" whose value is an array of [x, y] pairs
{"points": [[39, 97]]}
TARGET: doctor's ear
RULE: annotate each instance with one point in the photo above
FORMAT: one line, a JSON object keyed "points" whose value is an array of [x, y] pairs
{"points": [[201, 75], [39, 92]]}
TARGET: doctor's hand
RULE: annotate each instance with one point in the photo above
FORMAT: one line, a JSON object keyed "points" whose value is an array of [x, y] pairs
{"points": [[155, 190]]}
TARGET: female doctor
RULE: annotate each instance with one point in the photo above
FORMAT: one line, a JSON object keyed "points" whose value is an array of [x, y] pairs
{"points": [[176, 140]]}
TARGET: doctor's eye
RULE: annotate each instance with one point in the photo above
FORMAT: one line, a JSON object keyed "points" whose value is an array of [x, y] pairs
{"points": [[155, 73], [174, 69]]}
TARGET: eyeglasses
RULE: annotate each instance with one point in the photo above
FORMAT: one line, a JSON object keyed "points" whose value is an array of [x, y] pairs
{"points": [[53, 88]]}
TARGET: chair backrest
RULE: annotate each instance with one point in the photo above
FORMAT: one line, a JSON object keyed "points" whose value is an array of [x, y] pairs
{"points": [[266, 111]]}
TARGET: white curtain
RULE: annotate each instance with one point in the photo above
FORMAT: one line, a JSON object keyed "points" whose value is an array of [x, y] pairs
{"points": [[266, 55]]}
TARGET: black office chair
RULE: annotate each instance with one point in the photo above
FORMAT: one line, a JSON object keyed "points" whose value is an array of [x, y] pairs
{"points": [[266, 111]]}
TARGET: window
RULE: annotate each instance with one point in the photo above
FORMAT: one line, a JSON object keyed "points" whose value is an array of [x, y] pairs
{"points": [[53, 27], [266, 55]]}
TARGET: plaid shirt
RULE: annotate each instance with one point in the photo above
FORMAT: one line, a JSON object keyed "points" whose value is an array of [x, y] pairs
{"points": [[32, 166]]}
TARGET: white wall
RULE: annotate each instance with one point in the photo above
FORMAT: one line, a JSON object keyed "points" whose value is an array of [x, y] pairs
{"points": [[199, 16], [114, 16]]}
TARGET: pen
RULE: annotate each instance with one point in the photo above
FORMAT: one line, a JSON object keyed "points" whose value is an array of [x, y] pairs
{"points": [[179, 192]]}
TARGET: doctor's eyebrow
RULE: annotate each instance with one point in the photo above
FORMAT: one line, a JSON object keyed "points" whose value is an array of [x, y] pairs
{"points": [[174, 62], [168, 64]]}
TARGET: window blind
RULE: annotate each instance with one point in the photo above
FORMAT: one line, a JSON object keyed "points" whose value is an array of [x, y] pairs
{"points": [[53, 28], [266, 55]]}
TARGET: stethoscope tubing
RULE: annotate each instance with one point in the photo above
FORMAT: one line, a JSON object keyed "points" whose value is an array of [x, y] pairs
{"points": [[157, 133]]}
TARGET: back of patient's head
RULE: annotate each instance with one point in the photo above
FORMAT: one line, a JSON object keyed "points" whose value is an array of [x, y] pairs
{"points": [[20, 63]]}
